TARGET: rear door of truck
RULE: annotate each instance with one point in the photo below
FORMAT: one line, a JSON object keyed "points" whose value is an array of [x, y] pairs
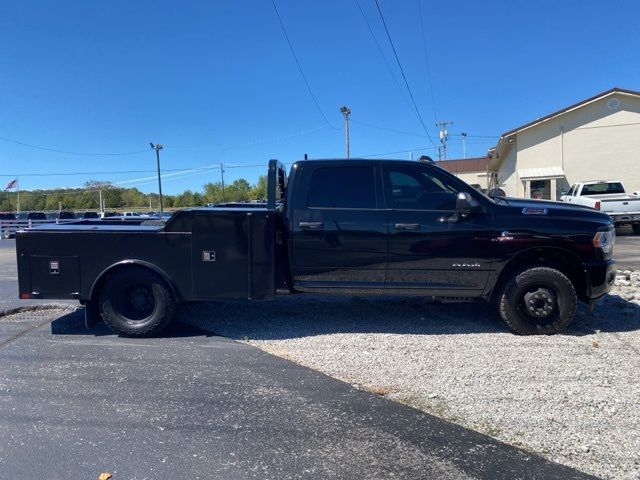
{"points": [[338, 226]]}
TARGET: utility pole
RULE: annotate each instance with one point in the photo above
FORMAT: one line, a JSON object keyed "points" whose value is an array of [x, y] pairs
{"points": [[346, 111], [444, 136], [101, 202], [464, 149], [157, 148], [222, 179]]}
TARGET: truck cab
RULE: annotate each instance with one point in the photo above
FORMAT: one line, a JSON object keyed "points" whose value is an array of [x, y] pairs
{"points": [[380, 226]]}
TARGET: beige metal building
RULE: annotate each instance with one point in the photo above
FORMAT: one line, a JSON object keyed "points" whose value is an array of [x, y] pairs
{"points": [[598, 138]]}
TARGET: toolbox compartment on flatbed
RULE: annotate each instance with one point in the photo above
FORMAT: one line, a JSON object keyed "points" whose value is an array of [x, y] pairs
{"points": [[203, 254]]}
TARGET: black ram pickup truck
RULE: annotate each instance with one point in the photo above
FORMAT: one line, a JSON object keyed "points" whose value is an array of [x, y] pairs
{"points": [[350, 227]]}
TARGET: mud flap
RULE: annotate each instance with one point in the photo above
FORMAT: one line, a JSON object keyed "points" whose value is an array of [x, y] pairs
{"points": [[91, 314]]}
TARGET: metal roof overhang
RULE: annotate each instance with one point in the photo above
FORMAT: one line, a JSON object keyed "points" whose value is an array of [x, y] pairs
{"points": [[541, 173]]}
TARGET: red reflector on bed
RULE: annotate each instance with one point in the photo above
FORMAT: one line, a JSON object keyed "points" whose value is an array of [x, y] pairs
{"points": [[25, 296]]}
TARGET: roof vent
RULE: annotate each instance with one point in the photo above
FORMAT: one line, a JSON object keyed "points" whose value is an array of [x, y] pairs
{"points": [[613, 103]]}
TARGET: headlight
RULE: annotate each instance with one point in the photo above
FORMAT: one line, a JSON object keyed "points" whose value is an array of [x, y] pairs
{"points": [[605, 240]]}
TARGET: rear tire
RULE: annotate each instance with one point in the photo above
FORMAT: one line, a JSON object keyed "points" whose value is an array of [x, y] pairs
{"points": [[136, 302], [538, 301], [636, 228]]}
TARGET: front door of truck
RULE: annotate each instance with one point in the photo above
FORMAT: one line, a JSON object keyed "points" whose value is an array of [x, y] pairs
{"points": [[338, 231], [433, 249]]}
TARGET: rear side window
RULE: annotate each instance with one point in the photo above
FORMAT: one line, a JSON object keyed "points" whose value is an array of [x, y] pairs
{"points": [[342, 187]]}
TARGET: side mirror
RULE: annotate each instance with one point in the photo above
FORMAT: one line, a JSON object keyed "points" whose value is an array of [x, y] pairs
{"points": [[562, 194], [466, 204]]}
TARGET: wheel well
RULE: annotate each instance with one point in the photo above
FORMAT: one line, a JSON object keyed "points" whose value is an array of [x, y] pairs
{"points": [[97, 285], [559, 259]]}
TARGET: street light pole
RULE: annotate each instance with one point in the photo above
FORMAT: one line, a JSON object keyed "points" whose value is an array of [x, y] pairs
{"points": [[157, 148], [346, 111]]}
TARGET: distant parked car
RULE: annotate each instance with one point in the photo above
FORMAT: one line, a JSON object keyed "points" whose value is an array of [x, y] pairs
{"points": [[90, 215], [36, 216], [109, 214], [8, 231], [66, 215], [130, 214]]}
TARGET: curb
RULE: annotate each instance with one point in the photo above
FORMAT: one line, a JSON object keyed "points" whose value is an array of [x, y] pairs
{"points": [[36, 308]]}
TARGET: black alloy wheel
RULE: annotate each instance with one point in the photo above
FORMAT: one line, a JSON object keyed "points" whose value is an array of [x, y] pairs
{"points": [[538, 301], [136, 301]]}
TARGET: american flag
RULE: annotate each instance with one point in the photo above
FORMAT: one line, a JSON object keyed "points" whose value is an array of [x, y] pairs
{"points": [[12, 184]]}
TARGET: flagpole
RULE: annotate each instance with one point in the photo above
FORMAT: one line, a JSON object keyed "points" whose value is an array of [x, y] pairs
{"points": [[18, 203]]}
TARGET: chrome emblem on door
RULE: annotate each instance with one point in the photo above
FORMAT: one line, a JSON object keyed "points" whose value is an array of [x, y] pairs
{"points": [[208, 256], [466, 265]]}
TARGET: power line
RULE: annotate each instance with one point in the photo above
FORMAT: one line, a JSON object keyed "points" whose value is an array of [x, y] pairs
{"points": [[426, 57], [384, 58], [420, 149], [295, 57], [404, 77], [249, 143], [10, 140], [185, 169], [49, 174], [388, 129], [474, 136]]}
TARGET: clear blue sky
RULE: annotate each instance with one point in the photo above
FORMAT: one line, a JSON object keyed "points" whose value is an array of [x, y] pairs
{"points": [[216, 82]]}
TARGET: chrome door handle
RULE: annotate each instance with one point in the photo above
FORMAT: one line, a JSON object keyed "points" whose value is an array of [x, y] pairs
{"points": [[407, 226], [311, 225]]}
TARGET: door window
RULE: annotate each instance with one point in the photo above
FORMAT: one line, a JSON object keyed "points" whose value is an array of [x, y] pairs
{"points": [[342, 187], [418, 189]]}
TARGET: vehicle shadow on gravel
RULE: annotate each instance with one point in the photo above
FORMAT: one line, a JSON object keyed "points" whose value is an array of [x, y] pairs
{"points": [[611, 314], [73, 324], [294, 317]]}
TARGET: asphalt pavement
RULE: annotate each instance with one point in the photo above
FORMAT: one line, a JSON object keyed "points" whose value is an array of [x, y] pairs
{"points": [[75, 403], [627, 249]]}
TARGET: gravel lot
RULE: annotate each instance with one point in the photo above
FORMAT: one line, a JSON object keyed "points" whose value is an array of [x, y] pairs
{"points": [[572, 398]]}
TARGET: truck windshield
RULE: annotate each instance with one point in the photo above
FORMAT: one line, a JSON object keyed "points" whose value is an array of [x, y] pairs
{"points": [[602, 188]]}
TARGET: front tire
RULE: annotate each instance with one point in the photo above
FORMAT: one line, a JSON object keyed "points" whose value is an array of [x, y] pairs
{"points": [[538, 301], [136, 302]]}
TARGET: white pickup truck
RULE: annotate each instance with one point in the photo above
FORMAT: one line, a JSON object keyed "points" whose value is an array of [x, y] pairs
{"points": [[609, 197]]}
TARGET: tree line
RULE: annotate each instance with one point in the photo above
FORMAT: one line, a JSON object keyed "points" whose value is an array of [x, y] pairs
{"points": [[116, 198]]}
